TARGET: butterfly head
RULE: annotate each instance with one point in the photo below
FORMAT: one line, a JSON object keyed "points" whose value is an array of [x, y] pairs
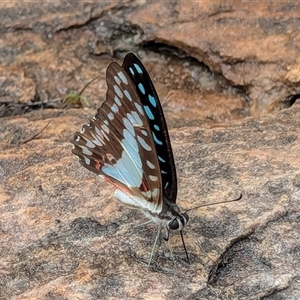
{"points": [[178, 222], [176, 219]]}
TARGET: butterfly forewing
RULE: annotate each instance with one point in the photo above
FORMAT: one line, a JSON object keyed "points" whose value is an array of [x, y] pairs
{"points": [[118, 143], [158, 127]]}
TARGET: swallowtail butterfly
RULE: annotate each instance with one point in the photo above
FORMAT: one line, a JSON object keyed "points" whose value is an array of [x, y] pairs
{"points": [[127, 142]]}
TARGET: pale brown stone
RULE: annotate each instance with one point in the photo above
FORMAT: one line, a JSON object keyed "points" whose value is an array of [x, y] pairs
{"points": [[219, 69]]}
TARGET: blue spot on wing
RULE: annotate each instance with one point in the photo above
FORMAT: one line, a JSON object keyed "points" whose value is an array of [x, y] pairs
{"points": [[126, 93], [122, 168], [157, 141], [133, 154], [122, 77], [128, 169], [152, 100], [156, 127], [138, 68], [161, 159], [117, 80], [129, 126], [118, 91], [112, 172], [131, 70], [141, 88], [129, 139], [148, 112]]}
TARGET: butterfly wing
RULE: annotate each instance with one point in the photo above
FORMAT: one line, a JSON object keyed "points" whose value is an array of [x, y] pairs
{"points": [[158, 127], [118, 144]]}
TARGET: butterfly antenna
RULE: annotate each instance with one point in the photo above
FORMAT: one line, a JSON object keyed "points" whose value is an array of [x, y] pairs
{"points": [[221, 202], [82, 90]]}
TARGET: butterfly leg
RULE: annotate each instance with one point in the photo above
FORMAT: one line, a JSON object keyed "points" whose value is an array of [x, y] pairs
{"points": [[171, 252], [166, 238], [183, 243], [154, 245], [137, 226]]}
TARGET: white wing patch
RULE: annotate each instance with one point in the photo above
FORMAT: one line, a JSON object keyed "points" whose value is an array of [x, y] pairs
{"points": [[137, 202]]}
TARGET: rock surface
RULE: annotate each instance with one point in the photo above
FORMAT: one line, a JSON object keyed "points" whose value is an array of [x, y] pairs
{"points": [[228, 77]]}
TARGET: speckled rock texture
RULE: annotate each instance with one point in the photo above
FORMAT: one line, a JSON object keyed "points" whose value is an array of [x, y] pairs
{"points": [[228, 76]]}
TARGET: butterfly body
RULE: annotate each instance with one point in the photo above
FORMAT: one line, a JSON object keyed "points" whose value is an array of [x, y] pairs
{"points": [[127, 142]]}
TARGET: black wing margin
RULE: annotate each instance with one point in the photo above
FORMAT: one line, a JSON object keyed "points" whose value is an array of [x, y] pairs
{"points": [[149, 98]]}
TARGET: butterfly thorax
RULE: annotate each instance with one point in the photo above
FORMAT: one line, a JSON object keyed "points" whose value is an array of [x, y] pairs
{"points": [[170, 216]]}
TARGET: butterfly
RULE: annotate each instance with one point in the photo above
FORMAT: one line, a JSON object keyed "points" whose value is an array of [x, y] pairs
{"points": [[127, 142]]}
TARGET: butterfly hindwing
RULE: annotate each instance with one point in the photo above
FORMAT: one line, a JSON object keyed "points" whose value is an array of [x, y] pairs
{"points": [[158, 127], [118, 144]]}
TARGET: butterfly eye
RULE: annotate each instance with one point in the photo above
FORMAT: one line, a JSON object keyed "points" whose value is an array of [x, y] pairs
{"points": [[174, 225]]}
